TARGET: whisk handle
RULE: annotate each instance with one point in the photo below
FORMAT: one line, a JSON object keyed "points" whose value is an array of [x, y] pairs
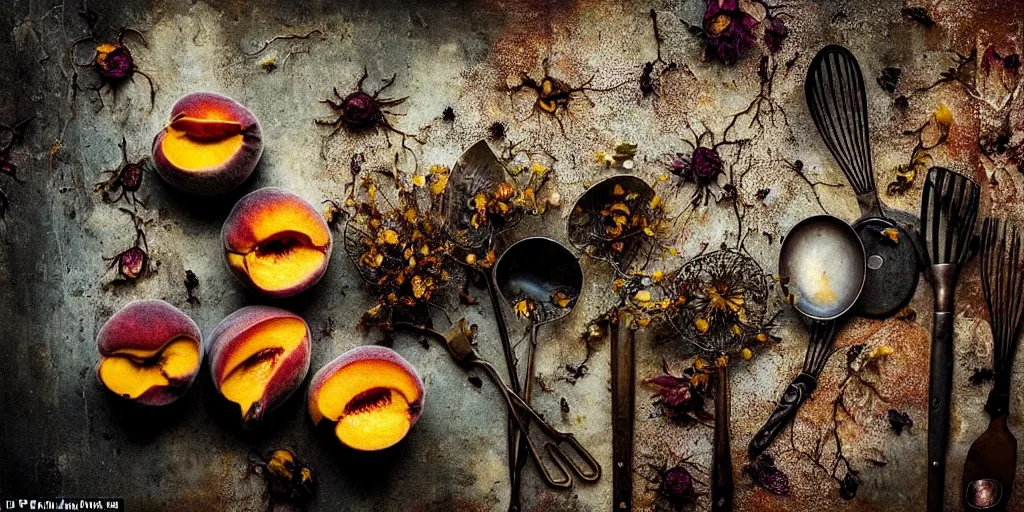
{"points": [[796, 394], [623, 375], [940, 387]]}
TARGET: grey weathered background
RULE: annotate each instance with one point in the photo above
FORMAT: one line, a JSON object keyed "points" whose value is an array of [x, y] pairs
{"points": [[61, 434]]}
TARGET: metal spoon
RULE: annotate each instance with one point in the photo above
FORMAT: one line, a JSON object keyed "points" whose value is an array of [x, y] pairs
{"points": [[588, 233], [541, 279], [823, 259]]}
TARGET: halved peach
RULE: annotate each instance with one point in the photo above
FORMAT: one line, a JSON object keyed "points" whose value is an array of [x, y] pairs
{"points": [[276, 243], [150, 352], [258, 357], [210, 145], [371, 394]]}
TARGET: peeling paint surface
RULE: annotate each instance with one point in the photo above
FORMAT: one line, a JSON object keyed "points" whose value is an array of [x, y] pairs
{"points": [[62, 434]]}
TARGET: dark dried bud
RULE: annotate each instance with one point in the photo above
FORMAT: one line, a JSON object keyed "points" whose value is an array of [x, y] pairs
{"points": [[775, 32], [497, 131], [729, 30], [132, 263], [848, 486], [767, 475], [677, 485], [889, 79], [114, 62], [131, 177], [360, 111], [448, 115], [898, 421], [707, 165]]}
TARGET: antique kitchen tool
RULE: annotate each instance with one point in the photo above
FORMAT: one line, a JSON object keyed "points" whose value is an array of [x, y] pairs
{"points": [[721, 300], [478, 171], [458, 340], [837, 100], [541, 280], [992, 460], [949, 208], [822, 266], [593, 231]]}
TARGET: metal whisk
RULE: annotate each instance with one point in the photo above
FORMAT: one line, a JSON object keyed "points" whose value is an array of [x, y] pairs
{"points": [[724, 296], [949, 208], [991, 463]]}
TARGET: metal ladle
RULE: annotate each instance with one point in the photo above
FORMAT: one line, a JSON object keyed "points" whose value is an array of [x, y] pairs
{"points": [[548, 277], [823, 259]]}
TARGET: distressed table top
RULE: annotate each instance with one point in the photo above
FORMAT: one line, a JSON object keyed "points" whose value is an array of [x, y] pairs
{"points": [[62, 434]]}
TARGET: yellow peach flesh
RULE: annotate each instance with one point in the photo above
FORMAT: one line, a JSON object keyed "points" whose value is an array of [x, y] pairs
{"points": [[280, 268], [133, 372], [370, 401], [188, 154], [253, 363]]}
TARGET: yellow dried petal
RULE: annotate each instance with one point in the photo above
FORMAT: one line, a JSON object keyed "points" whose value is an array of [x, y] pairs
{"points": [[642, 296], [747, 354], [702, 325], [419, 180], [390, 236]]}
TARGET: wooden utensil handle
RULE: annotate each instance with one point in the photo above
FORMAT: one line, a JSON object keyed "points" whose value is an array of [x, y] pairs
{"points": [[721, 465], [940, 387], [796, 394], [623, 379]]}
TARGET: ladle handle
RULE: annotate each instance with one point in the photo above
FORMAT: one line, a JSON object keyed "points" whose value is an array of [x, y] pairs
{"points": [[721, 464], [940, 387], [623, 376], [796, 394]]}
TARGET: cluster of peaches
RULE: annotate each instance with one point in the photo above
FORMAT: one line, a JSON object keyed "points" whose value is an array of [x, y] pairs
{"points": [[278, 245]]}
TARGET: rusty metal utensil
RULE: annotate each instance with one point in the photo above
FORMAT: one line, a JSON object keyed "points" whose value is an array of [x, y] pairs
{"points": [[949, 209], [991, 462], [837, 100], [588, 230], [458, 340], [823, 267], [541, 280], [724, 298], [478, 170]]}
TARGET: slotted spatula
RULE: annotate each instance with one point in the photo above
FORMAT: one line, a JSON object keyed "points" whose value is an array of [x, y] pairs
{"points": [[949, 209]]}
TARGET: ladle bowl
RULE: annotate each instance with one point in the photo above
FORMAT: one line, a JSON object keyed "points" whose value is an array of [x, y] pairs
{"points": [[542, 271], [823, 264]]}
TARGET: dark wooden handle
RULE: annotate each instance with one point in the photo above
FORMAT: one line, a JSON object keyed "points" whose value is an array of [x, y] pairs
{"points": [[796, 394], [721, 464], [623, 378], [940, 387]]}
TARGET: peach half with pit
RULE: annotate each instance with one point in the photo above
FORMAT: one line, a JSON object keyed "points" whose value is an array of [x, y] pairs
{"points": [[371, 395], [276, 243], [259, 356], [150, 352], [210, 145]]}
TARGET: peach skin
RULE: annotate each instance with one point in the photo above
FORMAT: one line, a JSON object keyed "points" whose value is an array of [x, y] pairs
{"points": [[258, 357], [210, 145], [372, 396], [276, 243], [150, 352]]}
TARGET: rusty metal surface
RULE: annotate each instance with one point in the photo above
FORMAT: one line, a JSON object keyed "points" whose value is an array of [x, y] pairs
{"points": [[61, 434]]}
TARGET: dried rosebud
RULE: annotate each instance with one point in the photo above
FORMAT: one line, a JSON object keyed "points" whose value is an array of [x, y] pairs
{"points": [[899, 420], [729, 30], [675, 392], [775, 32], [114, 61], [707, 165], [132, 263], [764, 473], [360, 111], [677, 485]]}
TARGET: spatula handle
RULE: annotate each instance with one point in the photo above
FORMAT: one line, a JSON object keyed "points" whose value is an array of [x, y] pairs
{"points": [[940, 387], [623, 362], [796, 394]]}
